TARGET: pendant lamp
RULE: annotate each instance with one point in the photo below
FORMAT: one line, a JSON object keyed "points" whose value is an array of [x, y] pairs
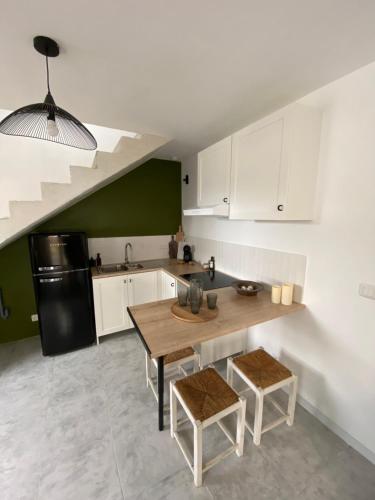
{"points": [[45, 120]]}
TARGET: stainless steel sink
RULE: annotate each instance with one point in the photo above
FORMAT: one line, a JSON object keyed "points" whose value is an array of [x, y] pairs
{"points": [[134, 266], [115, 268]]}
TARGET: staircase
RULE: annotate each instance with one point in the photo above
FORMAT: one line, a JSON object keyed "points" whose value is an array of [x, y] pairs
{"points": [[56, 196]]}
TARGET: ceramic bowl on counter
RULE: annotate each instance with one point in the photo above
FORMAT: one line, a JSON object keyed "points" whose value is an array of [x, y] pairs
{"points": [[247, 287]]}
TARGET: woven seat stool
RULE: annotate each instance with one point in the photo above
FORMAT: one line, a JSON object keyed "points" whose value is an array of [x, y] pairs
{"points": [[206, 399], [263, 374], [174, 361]]}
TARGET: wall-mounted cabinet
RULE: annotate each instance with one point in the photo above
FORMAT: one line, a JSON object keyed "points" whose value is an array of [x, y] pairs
{"points": [[214, 174], [266, 171], [274, 166]]}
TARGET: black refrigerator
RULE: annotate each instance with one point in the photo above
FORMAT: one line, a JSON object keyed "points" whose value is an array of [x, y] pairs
{"points": [[63, 291]]}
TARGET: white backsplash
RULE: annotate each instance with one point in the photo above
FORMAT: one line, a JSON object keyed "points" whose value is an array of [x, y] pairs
{"points": [[252, 263], [112, 250]]}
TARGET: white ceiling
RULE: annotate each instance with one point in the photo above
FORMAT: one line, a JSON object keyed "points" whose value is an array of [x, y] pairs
{"points": [[192, 70]]}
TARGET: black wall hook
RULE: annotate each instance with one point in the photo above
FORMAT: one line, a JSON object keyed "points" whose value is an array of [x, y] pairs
{"points": [[4, 311]]}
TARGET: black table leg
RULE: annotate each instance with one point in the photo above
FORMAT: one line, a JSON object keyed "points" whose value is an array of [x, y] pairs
{"points": [[161, 392]]}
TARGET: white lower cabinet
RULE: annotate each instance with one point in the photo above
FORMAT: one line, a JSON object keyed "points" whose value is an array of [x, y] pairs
{"points": [[167, 286], [143, 288], [113, 294], [111, 299]]}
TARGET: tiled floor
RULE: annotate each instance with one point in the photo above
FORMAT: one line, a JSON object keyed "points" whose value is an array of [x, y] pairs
{"points": [[83, 426]]}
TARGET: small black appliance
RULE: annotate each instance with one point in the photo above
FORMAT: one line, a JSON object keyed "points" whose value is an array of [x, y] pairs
{"points": [[187, 253]]}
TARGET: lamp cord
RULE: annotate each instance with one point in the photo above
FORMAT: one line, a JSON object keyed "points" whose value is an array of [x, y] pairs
{"points": [[49, 91]]}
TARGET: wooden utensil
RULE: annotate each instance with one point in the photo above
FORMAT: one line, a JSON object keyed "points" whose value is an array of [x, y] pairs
{"points": [[180, 234]]}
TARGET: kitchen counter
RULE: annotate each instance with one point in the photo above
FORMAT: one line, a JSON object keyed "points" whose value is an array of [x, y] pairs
{"points": [[164, 334], [170, 266]]}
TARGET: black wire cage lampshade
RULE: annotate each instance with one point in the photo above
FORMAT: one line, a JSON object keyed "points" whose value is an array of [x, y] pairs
{"points": [[45, 120]]}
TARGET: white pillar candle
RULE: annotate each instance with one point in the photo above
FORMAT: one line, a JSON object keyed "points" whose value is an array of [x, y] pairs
{"points": [[287, 294], [276, 294]]}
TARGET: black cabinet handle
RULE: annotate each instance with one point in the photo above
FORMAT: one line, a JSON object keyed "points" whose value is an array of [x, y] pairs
{"points": [[172, 284], [225, 200], [280, 208]]}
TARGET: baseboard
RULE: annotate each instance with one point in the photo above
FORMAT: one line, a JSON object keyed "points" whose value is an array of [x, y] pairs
{"points": [[345, 436]]}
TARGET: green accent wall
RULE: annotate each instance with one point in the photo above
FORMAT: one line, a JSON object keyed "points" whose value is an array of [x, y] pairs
{"points": [[144, 202]]}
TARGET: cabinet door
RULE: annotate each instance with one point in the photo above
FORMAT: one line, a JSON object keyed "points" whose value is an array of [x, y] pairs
{"points": [[214, 174], [143, 288], [168, 286], [256, 170], [111, 301]]}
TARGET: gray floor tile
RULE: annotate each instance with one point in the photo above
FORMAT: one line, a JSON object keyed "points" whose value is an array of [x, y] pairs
{"points": [[346, 476], [83, 426], [252, 476], [178, 486], [144, 455], [83, 471]]}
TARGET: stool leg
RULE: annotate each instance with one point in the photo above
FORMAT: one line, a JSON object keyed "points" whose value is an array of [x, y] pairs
{"points": [[173, 410], [197, 363], [240, 434], [148, 369], [258, 418], [230, 372], [292, 401], [197, 453]]}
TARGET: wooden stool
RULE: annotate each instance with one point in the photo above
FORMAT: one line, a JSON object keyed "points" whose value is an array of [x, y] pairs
{"points": [[264, 374], [172, 361], [206, 399]]}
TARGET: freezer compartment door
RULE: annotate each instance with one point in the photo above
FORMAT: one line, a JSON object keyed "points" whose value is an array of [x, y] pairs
{"points": [[65, 311], [58, 252]]}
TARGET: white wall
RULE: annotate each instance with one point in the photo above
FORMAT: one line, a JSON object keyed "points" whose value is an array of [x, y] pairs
{"points": [[26, 162], [112, 250], [332, 344]]}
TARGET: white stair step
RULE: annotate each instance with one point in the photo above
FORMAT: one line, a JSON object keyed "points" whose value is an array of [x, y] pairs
{"points": [[24, 215]]}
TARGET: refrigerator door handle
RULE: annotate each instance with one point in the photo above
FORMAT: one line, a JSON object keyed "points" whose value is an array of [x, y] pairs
{"points": [[62, 272], [49, 280]]}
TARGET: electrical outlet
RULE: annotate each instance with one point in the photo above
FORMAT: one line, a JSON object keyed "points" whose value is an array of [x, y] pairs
{"points": [[34, 317], [366, 290]]}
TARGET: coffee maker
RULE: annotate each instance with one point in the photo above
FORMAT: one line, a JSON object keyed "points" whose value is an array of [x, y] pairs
{"points": [[188, 257]]}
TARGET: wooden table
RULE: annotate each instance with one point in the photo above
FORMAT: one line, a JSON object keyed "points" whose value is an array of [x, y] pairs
{"points": [[162, 334]]}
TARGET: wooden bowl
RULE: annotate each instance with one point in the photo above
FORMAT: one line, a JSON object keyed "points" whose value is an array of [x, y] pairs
{"points": [[256, 287]]}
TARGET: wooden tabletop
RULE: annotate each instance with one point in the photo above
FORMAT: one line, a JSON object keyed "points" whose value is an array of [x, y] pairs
{"points": [[164, 334]]}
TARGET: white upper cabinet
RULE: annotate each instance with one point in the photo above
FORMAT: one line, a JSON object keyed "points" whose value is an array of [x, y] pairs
{"points": [[274, 166], [214, 174]]}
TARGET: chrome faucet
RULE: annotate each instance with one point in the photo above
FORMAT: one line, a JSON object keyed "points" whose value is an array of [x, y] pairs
{"points": [[128, 245]]}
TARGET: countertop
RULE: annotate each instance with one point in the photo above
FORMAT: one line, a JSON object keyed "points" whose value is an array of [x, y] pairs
{"points": [[164, 334], [171, 266]]}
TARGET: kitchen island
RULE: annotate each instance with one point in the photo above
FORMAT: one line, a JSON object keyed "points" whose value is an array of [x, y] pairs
{"points": [[162, 334]]}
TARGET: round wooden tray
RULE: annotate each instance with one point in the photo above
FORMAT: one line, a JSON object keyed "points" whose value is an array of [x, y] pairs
{"points": [[185, 314]]}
